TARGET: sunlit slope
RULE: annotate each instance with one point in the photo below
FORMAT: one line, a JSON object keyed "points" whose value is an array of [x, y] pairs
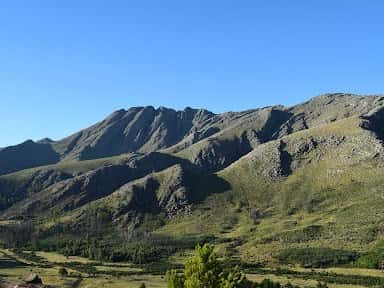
{"points": [[318, 187]]}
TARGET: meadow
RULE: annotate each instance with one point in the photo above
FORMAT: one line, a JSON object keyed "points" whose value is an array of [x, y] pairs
{"points": [[82, 272]]}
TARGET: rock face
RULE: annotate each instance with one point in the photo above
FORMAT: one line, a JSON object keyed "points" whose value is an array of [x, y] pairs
{"points": [[374, 120], [168, 191], [175, 197], [140, 129], [237, 139]]}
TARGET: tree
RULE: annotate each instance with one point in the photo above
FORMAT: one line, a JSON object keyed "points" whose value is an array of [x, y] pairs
{"points": [[234, 279], [174, 280], [203, 270]]}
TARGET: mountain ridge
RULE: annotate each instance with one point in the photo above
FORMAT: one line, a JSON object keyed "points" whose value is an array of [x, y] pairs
{"points": [[146, 129]]}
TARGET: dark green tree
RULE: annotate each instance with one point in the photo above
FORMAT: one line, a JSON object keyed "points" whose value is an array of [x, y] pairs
{"points": [[203, 270]]}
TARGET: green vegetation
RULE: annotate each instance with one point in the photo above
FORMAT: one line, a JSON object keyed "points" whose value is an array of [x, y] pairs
{"points": [[317, 257], [374, 259], [205, 270], [138, 251]]}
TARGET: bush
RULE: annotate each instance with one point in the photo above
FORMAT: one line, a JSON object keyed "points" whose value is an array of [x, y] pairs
{"points": [[174, 280], [374, 259], [63, 272]]}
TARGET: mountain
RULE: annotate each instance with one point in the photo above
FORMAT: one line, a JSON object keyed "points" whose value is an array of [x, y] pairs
{"points": [[139, 129], [26, 155], [146, 129], [258, 181]]}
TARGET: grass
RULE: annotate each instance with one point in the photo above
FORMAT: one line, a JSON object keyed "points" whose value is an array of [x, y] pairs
{"points": [[58, 258], [294, 275], [124, 282]]}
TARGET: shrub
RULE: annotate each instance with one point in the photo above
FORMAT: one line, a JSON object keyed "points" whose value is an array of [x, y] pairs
{"points": [[374, 259], [174, 280], [63, 272]]}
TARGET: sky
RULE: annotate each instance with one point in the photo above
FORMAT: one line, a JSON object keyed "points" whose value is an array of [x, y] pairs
{"points": [[65, 65]]}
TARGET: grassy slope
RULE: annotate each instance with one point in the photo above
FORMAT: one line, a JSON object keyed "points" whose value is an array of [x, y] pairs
{"points": [[342, 195]]}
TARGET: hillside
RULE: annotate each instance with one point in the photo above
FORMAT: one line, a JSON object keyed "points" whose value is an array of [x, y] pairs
{"points": [[257, 182]]}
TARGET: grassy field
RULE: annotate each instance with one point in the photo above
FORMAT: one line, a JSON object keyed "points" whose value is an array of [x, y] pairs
{"points": [[13, 266]]}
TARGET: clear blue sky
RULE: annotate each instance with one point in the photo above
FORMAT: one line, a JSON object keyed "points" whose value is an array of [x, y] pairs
{"points": [[66, 64]]}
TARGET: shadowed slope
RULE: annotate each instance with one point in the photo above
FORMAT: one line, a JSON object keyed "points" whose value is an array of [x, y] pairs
{"points": [[26, 155]]}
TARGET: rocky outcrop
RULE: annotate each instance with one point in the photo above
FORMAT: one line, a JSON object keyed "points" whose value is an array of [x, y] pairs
{"points": [[271, 160], [241, 137], [168, 191], [215, 155], [176, 193], [139, 129], [374, 120]]}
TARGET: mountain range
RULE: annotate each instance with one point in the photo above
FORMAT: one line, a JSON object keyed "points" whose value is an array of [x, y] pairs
{"points": [[310, 174]]}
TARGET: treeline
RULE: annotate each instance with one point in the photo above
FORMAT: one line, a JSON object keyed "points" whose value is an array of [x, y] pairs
{"points": [[146, 250], [313, 257], [317, 257], [109, 247]]}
